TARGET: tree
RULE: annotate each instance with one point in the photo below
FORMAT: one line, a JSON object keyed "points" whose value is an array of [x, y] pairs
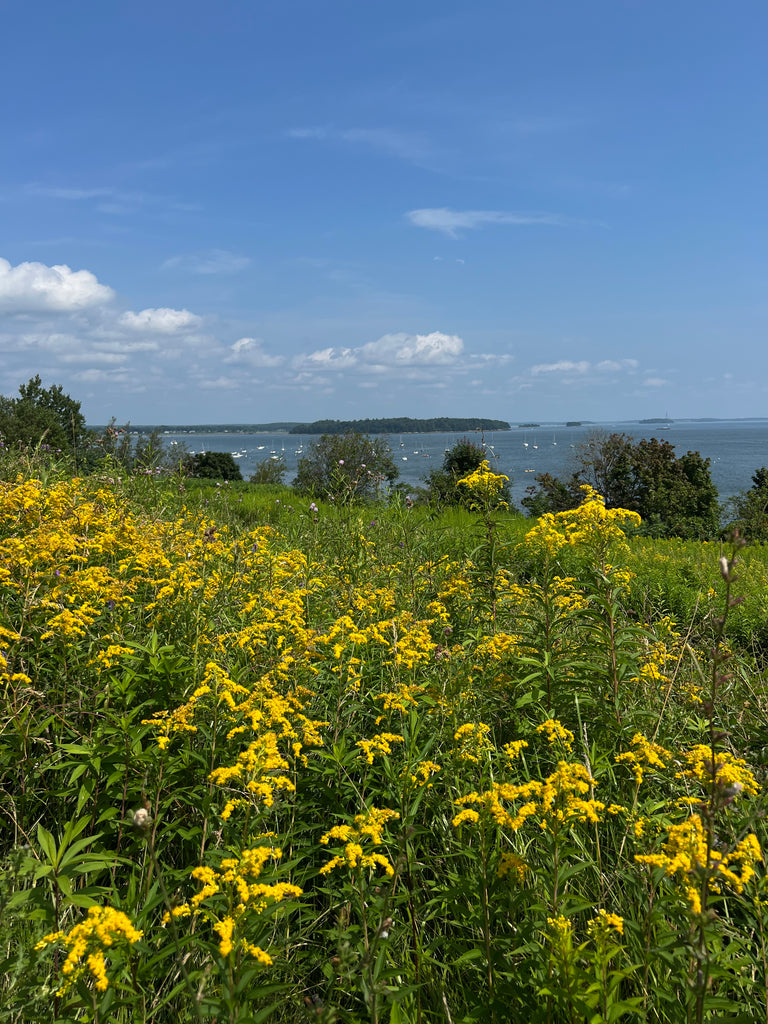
{"points": [[750, 508], [214, 466], [675, 496], [269, 471], [459, 461], [345, 468], [43, 416]]}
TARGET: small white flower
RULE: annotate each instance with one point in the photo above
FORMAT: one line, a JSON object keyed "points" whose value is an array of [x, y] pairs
{"points": [[141, 818]]}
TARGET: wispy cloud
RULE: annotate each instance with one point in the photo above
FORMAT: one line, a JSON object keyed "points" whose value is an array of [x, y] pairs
{"points": [[451, 222], [583, 366], [210, 261], [411, 146]]}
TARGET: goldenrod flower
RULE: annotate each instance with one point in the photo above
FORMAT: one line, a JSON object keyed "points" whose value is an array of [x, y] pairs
{"points": [[103, 928]]}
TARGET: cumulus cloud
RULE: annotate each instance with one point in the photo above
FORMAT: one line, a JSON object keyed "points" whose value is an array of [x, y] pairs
{"points": [[388, 352], [654, 382], [35, 287], [563, 366], [160, 321], [251, 350], [450, 222]]}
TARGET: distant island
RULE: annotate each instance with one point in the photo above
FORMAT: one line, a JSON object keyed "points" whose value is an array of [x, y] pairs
{"points": [[657, 419], [279, 427], [398, 425]]}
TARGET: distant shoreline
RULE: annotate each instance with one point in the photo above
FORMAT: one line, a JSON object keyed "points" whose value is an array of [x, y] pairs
{"points": [[285, 427]]}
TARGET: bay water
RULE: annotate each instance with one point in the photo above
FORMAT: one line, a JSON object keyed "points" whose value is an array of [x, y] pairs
{"points": [[736, 448]]}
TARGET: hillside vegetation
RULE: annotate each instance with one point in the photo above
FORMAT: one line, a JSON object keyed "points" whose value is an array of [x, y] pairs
{"points": [[267, 758]]}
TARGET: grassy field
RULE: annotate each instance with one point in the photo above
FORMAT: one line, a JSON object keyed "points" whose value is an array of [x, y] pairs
{"points": [[263, 759]]}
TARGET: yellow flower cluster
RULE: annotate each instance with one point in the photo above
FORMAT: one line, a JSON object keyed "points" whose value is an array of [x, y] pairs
{"points": [[103, 928], [421, 773], [643, 756], [367, 830], [473, 742], [381, 743], [687, 854], [589, 524], [557, 801], [231, 899], [512, 865], [605, 925], [727, 772], [484, 484], [556, 733]]}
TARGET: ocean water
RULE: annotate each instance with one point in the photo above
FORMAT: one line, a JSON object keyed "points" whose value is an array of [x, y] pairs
{"points": [[736, 449]]}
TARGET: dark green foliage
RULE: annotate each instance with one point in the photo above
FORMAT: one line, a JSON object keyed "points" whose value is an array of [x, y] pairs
{"points": [[43, 416], [214, 466], [399, 425], [550, 494], [674, 495], [345, 467], [459, 461], [750, 508], [269, 471]]}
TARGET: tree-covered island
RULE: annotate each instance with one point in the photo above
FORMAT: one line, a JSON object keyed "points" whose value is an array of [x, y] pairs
{"points": [[399, 425]]}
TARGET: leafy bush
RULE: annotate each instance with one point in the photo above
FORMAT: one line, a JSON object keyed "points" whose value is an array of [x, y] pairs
{"points": [[214, 466], [346, 468], [442, 485]]}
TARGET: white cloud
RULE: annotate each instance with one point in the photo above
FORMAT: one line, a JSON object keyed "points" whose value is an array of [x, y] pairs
{"points": [[160, 321], [450, 222], [329, 359], [35, 287], [654, 382], [389, 352], [251, 350], [211, 261], [414, 349], [563, 366]]}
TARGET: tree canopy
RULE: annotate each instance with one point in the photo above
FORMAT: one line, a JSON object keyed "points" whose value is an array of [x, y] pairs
{"points": [[213, 466], [674, 495], [43, 416], [399, 425]]}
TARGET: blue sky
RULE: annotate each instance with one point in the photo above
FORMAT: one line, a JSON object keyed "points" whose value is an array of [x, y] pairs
{"points": [[245, 212]]}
